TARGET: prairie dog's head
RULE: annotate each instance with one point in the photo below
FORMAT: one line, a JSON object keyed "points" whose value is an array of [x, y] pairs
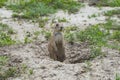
{"points": [[58, 27]]}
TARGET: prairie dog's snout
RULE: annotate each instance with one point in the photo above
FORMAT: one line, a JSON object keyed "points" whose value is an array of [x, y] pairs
{"points": [[61, 28]]}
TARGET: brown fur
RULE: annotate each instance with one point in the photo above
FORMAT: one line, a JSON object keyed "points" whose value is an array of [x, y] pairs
{"points": [[56, 44]]}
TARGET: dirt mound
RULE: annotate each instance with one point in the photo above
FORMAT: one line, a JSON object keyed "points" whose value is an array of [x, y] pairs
{"points": [[75, 52]]}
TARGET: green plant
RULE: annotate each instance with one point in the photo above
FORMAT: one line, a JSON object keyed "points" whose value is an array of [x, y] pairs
{"points": [[47, 34], [5, 39], [70, 5], [15, 15], [3, 27], [108, 25], [93, 35], [116, 35], [70, 33], [87, 66], [30, 71], [37, 33], [92, 16], [5, 35], [114, 45], [111, 25], [27, 40], [95, 51], [112, 3], [23, 68], [42, 22], [10, 72], [37, 8], [70, 37], [62, 20], [5, 70], [2, 3], [88, 63], [9, 68], [70, 28], [32, 10], [10, 31], [112, 12], [117, 77], [3, 60]]}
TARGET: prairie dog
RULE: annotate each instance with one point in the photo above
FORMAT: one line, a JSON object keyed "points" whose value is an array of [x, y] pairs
{"points": [[56, 44]]}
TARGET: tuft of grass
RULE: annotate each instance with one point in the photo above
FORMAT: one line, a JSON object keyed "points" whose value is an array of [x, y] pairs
{"points": [[70, 28], [5, 35], [37, 8], [11, 72], [112, 12], [117, 77], [32, 10], [108, 25], [112, 3], [24, 67], [114, 45], [95, 51], [46, 34], [93, 35], [27, 40], [70, 5], [116, 35], [70, 37], [3, 60], [30, 71], [42, 22], [4, 28], [10, 69], [88, 66], [62, 20], [70, 33], [111, 25], [92, 16], [37, 33], [2, 3]]}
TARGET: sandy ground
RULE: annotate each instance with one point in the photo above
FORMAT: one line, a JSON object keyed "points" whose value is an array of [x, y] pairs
{"points": [[35, 55]]}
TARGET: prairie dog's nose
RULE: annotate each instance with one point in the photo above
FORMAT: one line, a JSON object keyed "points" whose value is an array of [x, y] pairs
{"points": [[61, 28]]}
